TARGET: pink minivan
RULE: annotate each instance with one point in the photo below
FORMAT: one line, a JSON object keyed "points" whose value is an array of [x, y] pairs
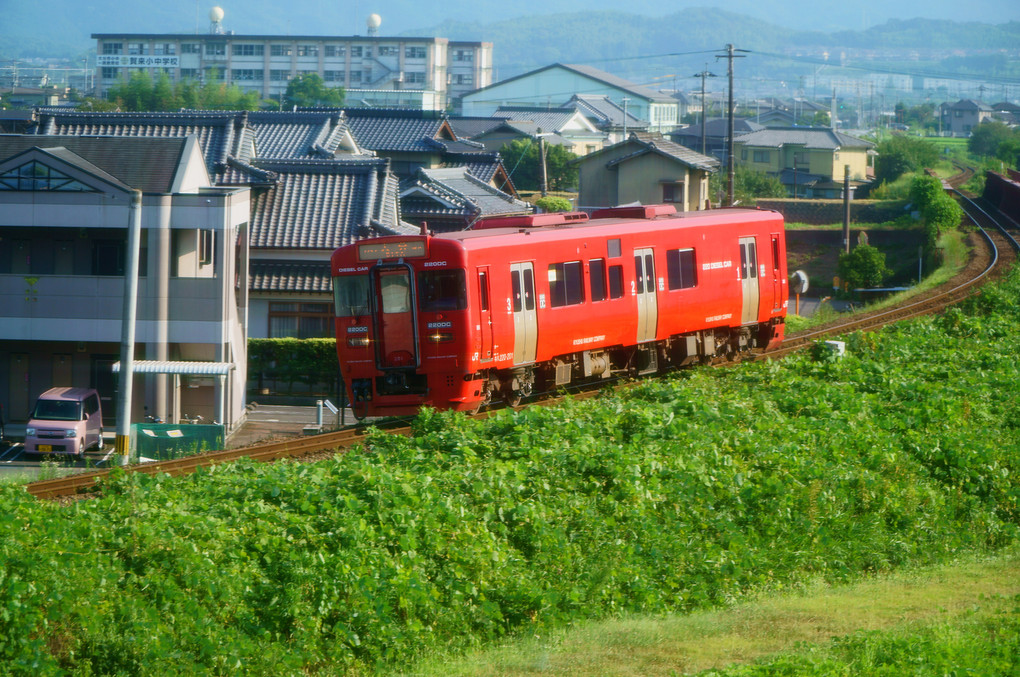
{"points": [[65, 421]]}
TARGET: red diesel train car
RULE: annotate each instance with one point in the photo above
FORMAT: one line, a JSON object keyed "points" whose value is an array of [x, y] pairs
{"points": [[455, 320]]}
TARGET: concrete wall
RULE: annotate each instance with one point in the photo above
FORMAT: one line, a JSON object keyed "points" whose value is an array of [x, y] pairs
{"points": [[826, 212]]}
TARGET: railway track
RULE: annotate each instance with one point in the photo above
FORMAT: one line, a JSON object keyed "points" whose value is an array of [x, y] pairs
{"points": [[996, 256]]}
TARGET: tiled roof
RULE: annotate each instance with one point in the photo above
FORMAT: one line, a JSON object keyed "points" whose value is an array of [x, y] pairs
{"points": [[324, 204], [469, 127], [970, 104], [719, 128], [810, 137], [302, 134], [217, 132], [270, 275], [658, 144], [397, 130], [548, 120], [454, 191], [147, 164], [604, 113]]}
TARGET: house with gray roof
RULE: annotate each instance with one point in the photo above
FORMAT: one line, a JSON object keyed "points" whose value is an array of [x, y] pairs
{"points": [[452, 199], [959, 119], [645, 169], [67, 203], [809, 161], [313, 187], [558, 81]]}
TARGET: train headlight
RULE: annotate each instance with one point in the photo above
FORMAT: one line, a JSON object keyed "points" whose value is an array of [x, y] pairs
{"points": [[358, 341], [441, 337]]}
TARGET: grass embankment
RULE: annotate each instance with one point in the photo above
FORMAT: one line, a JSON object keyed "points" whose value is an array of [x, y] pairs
{"points": [[680, 495], [885, 624]]}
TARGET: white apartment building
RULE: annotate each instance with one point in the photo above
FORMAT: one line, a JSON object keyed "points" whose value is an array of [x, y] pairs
{"points": [[265, 63]]}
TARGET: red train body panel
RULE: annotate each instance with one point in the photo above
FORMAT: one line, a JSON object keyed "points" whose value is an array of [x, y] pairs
{"points": [[453, 320]]}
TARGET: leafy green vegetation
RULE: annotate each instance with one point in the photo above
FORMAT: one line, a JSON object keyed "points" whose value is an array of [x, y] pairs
{"points": [[282, 363], [523, 161], [553, 203], [863, 266], [899, 154], [678, 494], [142, 93]]}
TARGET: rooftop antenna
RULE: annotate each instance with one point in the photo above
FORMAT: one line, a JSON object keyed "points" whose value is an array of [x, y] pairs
{"points": [[215, 21]]}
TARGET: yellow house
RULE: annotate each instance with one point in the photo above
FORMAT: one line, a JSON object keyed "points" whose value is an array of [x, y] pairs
{"points": [[810, 161]]}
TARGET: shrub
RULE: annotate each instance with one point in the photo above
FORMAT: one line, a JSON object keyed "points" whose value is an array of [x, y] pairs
{"points": [[863, 266], [552, 203]]}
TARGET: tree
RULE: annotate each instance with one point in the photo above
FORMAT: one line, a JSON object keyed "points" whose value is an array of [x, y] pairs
{"points": [[521, 157], [901, 154], [863, 266], [308, 89], [986, 138], [141, 93], [748, 185]]}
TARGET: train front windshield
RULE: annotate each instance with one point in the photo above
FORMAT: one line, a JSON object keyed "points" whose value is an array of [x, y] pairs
{"points": [[350, 294]]}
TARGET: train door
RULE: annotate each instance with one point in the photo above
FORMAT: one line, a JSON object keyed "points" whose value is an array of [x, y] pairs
{"points": [[393, 293], [644, 288], [749, 280], [522, 286], [484, 327], [777, 271]]}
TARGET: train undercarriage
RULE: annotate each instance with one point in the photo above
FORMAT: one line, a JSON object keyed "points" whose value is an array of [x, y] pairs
{"points": [[653, 357]]}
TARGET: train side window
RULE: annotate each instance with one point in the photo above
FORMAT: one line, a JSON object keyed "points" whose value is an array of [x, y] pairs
{"points": [[529, 289], [614, 247], [743, 262], [615, 282], [566, 286], [752, 260], [483, 289], [775, 254], [515, 284], [681, 270], [442, 290], [597, 279]]}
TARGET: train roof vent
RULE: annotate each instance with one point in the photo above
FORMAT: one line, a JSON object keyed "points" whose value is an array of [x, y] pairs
{"points": [[531, 220], [635, 212]]}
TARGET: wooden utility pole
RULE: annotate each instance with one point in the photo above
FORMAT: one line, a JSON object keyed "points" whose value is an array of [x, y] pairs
{"points": [[730, 56]]}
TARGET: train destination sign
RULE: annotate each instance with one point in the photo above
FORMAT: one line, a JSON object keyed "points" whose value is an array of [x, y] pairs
{"points": [[400, 249]]}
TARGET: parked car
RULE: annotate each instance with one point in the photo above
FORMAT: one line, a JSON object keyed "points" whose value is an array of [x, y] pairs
{"points": [[65, 421]]}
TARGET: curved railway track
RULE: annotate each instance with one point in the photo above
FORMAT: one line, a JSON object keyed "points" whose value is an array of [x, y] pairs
{"points": [[994, 258]]}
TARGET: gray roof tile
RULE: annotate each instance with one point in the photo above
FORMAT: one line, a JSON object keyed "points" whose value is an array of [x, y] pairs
{"points": [[324, 204], [809, 137], [270, 275]]}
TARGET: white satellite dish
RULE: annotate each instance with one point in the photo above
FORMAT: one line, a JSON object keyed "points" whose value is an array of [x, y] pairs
{"points": [[216, 14]]}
